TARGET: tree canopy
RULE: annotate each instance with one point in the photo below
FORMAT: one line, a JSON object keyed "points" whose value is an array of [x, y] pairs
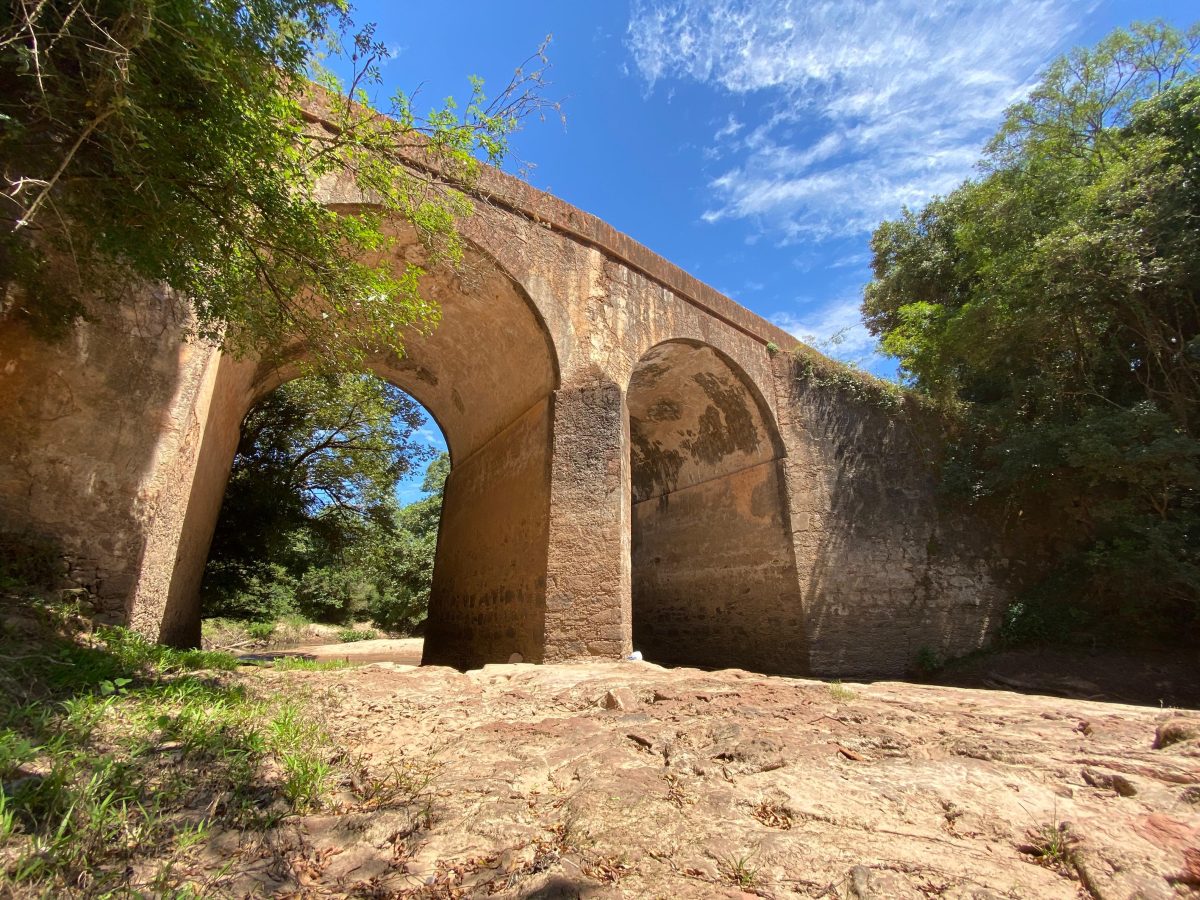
{"points": [[1053, 304], [406, 553], [334, 446], [310, 522], [168, 143]]}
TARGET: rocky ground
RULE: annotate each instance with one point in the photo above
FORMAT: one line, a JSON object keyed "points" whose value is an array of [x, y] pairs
{"points": [[629, 780]]}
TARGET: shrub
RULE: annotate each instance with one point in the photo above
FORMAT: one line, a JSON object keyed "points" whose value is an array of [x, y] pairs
{"points": [[398, 611], [334, 595], [259, 595], [929, 661], [260, 631], [350, 635]]}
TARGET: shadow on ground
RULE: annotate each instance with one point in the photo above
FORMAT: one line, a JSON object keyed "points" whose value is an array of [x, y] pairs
{"points": [[1165, 678]]}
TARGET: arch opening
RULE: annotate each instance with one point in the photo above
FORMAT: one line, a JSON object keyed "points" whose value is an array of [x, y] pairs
{"points": [[330, 515], [487, 375], [713, 572]]}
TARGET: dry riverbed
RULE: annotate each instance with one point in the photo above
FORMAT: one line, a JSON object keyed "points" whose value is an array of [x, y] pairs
{"points": [[405, 651], [629, 780]]}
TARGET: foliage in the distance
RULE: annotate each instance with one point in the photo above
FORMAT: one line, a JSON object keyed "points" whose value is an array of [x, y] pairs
{"points": [[407, 556], [1054, 304], [310, 523], [167, 142]]}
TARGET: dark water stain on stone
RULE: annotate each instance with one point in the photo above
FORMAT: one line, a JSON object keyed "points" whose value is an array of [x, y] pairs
{"points": [[726, 426], [654, 469], [768, 498], [424, 376], [647, 375], [665, 410], [401, 363]]}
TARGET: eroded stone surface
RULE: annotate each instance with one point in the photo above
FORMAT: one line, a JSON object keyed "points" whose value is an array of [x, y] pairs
{"points": [[628, 780]]}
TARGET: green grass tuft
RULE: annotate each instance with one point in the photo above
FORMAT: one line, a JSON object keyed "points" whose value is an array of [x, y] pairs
{"points": [[300, 664], [115, 752], [840, 692]]}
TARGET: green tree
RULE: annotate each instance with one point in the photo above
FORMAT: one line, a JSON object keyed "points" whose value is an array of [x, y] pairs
{"points": [[314, 477], [1053, 304], [167, 142]]}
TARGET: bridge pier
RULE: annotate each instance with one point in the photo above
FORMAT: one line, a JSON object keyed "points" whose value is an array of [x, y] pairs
{"points": [[489, 575], [588, 577]]}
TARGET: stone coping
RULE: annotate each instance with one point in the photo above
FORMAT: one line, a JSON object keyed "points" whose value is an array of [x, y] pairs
{"points": [[521, 198]]}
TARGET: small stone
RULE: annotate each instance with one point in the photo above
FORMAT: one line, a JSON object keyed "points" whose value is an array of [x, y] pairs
{"points": [[1175, 731], [516, 658], [860, 882], [1123, 785], [619, 698], [640, 739], [1110, 781]]}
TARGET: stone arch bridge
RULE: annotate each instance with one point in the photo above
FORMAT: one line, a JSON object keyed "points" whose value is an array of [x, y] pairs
{"points": [[637, 461]]}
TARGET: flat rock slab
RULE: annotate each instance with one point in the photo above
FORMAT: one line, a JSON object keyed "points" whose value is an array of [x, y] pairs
{"points": [[629, 780]]}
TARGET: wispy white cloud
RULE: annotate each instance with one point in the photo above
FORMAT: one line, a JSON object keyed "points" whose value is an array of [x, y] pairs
{"points": [[731, 127], [392, 52], [863, 105], [851, 260], [836, 329]]}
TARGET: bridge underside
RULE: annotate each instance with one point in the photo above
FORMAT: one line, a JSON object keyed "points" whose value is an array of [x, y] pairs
{"points": [[714, 572], [487, 374]]}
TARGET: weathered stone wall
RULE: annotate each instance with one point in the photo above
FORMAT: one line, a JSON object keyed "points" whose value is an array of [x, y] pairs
{"points": [[887, 567], [489, 580], [587, 569], [166, 603], [86, 423], [714, 578]]}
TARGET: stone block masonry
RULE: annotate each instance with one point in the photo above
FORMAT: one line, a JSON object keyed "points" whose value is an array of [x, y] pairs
{"points": [[636, 459]]}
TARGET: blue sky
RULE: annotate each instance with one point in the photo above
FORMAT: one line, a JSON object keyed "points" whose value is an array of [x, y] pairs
{"points": [[755, 144]]}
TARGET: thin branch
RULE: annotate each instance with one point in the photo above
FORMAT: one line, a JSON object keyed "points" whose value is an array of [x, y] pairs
{"points": [[49, 186]]}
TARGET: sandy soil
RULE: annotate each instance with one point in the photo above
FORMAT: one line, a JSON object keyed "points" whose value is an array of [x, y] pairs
{"points": [[405, 651], [1153, 678]]}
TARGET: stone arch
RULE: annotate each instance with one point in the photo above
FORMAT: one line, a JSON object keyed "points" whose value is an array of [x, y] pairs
{"points": [[487, 374], [713, 569]]}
